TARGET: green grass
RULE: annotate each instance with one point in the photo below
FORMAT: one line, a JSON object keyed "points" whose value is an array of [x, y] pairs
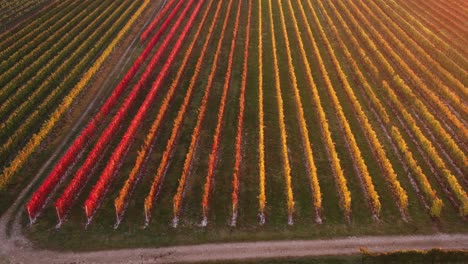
{"points": [[101, 235]]}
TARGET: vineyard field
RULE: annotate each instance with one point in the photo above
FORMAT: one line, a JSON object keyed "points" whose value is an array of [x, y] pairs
{"points": [[149, 123]]}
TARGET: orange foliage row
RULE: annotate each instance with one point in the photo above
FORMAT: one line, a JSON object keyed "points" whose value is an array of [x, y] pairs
{"points": [[23, 108], [214, 149], [284, 142], [455, 150], [144, 151], [364, 57], [240, 117], [149, 201], [409, 45], [314, 182], [377, 148], [436, 202], [431, 151], [25, 153], [341, 182], [23, 62], [177, 200], [359, 163], [159, 17], [425, 90], [450, 24], [444, 52], [261, 126]]}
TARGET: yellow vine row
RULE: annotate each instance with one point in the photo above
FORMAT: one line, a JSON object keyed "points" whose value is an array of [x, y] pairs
{"points": [[377, 148], [435, 205], [424, 141], [454, 82], [362, 80], [124, 193], [436, 202], [20, 113], [219, 122], [279, 101], [40, 48], [439, 50], [354, 149], [433, 122], [314, 182], [433, 37], [177, 200], [10, 43], [442, 87], [421, 85], [419, 12], [449, 26], [25, 153], [391, 72], [261, 126], [170, 145], [341, 182], [431, 151]]}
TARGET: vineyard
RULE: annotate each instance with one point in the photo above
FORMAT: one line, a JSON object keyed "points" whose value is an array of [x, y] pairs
{"points": [[234, 119]]}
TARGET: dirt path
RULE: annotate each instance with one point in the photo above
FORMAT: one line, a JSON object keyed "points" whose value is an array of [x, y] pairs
{"points": [[250, 250]]}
